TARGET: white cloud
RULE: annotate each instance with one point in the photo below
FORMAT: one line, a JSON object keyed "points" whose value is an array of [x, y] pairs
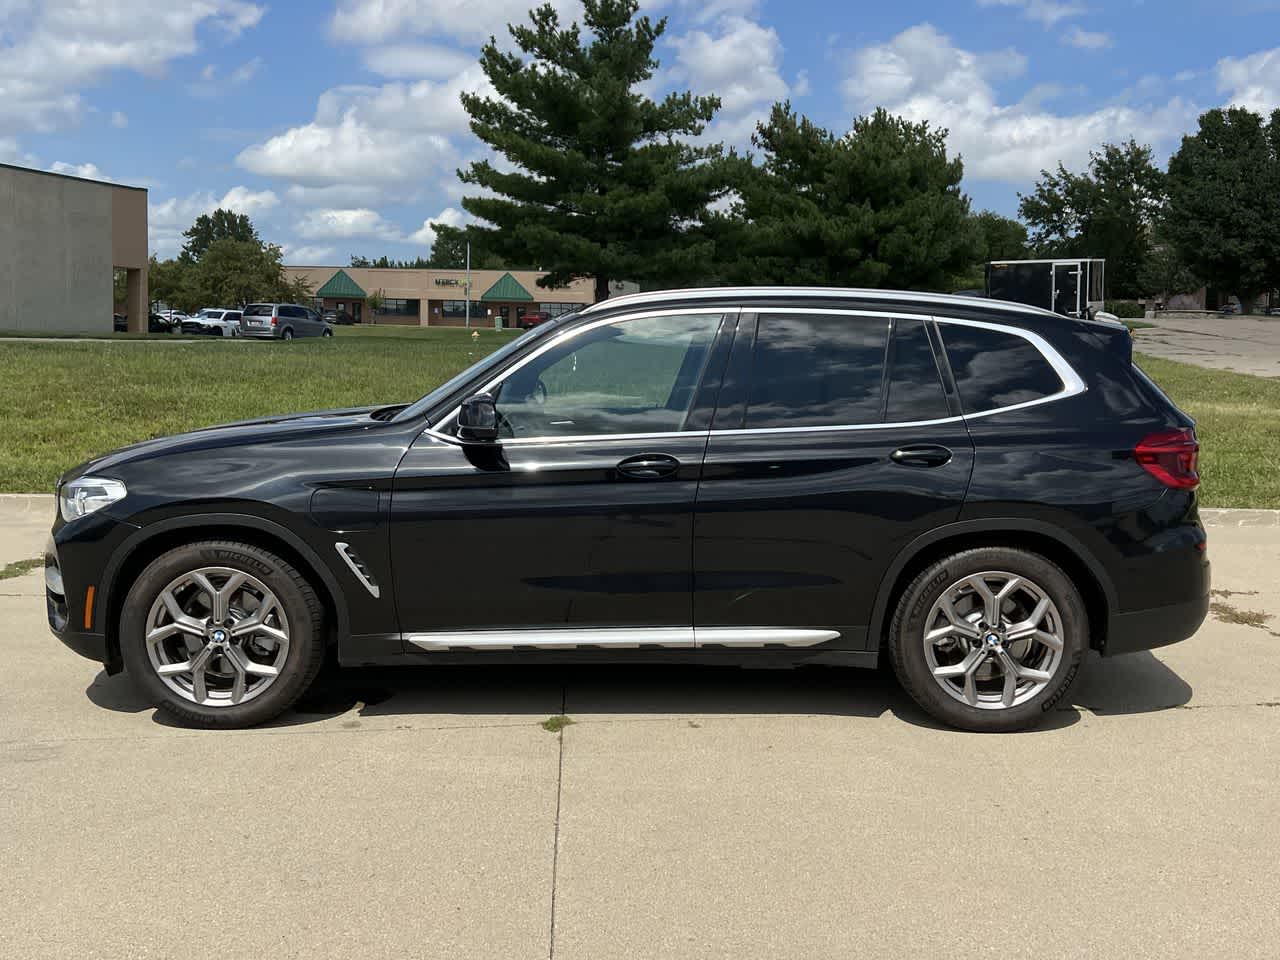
{"points": [[373, 21], [740, 61], [167, 219], [55, 48], [1046, 12], [209, 85], [119, 120], [426, 235], [309, 255], [410, 61], [395, 132], [363, 222], [1086, 39], [922, 75], [801, 88], [1252, 81], [246, 71], [89, 171]]}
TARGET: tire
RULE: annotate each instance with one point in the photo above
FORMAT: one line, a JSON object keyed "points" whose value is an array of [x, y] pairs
{"points": [[296, 615], [327, 333], [287, 335], [974, 692]]}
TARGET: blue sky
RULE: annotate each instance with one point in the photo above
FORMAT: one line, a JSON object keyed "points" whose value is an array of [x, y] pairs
{"points": [[335, 123]]}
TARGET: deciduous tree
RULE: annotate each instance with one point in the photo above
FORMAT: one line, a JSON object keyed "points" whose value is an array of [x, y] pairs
{"points": [[1108, 211], [219, 225], [1224, 202]]}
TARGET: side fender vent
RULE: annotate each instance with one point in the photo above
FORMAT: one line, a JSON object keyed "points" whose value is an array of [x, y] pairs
{"points": [[358, 568]]}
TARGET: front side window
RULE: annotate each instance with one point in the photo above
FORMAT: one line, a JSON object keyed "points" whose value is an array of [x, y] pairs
{"points": [[633, 376], [996, 369], [816, 370]]}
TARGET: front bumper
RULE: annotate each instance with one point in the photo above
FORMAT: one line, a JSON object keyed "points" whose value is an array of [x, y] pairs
{"points": [[76, 557]]}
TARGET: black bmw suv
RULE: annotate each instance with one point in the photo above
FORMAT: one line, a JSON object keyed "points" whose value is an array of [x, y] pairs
{"points": [[979, 492]]}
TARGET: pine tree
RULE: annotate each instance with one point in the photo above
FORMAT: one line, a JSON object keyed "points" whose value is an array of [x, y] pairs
{"points": [[599, 181]]}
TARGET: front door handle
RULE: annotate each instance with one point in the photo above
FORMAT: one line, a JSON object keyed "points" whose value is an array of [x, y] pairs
{"points": [[926, 455], [649, 466]]}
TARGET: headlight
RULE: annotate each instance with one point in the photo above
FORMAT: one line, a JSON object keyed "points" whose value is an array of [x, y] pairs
{"points": [[84, 495]]}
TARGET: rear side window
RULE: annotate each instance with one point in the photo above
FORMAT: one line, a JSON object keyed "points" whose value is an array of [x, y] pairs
{"points": [[294, 313], [258, 310], [995, 369], [816, 370], [915, 387]]}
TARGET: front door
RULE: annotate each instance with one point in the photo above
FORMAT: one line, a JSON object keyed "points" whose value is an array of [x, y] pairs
{"points": [[357, 308], [577, 523], [821, 466]]}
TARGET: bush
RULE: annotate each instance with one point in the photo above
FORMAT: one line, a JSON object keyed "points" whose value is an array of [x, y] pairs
{"points": [[1126, 309]]}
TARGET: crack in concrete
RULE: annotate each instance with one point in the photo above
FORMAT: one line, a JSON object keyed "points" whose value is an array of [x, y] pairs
{"points": [[555, 846]]}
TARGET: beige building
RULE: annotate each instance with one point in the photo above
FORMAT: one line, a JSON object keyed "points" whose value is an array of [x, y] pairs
{"points": [[61, 240], [439, 297]]}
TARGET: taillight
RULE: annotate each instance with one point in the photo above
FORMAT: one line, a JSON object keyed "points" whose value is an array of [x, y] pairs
{"points": [[1172, 457], [274, 321]]}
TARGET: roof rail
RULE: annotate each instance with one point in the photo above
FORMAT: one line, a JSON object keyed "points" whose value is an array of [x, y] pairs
{"points": [[704, 293]]}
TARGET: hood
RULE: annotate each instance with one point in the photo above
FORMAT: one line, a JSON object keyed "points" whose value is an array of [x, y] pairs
{"points": [[241, 432]]}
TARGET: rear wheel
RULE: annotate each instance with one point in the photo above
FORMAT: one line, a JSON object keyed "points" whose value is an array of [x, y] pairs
{"points": [[222, 634], [287, 335], [989, 639]]}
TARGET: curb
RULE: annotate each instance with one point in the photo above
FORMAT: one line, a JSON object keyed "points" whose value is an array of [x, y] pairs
{"points": [[1234, 517]]}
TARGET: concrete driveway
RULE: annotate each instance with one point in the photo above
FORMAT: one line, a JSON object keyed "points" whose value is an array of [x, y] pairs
{"points": [[686, 813], [1243, 344]]}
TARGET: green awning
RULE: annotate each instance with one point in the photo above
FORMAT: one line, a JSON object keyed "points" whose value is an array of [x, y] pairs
{"points": [[340, 285], [507, 288]]}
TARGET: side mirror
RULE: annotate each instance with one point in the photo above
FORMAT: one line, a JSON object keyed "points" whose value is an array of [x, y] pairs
{"points": [[478, 419]]}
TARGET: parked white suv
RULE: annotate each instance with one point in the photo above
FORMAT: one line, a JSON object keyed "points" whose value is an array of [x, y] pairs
{"points": [[214, 321]]}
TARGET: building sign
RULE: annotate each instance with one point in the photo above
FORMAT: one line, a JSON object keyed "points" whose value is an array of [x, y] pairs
{"points": [[448, 282]]}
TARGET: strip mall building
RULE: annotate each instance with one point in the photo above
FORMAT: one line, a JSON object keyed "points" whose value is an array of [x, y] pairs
{"points": [[439, 297]]}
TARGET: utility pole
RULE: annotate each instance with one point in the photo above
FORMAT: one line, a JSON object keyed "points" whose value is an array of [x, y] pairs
{"points": [[467, 287]]}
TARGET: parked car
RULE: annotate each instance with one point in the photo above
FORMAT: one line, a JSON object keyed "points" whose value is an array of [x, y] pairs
{"points": [[338, 317], [158, 324], [214, 321], [978, 492], [533, 318], [119, 323], [282, 321]]}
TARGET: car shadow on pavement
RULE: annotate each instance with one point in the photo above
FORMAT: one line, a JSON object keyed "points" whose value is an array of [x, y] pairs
{"points": [[1137, 683]]}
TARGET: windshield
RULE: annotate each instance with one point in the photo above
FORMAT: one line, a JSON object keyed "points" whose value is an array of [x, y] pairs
{"points": [[493, 360]]}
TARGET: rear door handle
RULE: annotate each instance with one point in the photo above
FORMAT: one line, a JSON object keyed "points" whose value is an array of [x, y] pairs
{"points": [[649, 466], [926, 455]]}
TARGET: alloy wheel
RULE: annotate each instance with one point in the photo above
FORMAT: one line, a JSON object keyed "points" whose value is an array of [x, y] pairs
{"points": [[217, 637], [993, 640]]}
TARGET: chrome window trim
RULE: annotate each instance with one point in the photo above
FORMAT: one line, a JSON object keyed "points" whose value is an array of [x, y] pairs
{"points": [[1072, 383], [569, 638], [562, 338], [707, 293]]}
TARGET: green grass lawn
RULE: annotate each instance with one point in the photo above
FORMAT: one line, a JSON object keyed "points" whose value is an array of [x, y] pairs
{"points": [[1238, 423], [61, 403]]}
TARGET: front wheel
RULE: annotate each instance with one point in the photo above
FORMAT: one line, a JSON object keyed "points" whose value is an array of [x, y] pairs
{"points": [[222, 634], [989, 639]]}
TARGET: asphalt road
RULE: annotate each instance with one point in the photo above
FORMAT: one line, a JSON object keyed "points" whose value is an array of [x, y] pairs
{"points": [[686, 814], [1243, 344]]}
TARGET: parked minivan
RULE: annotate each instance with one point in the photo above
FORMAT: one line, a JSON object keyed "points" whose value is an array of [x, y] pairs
{"points": [[979, 493], [282, 321]]}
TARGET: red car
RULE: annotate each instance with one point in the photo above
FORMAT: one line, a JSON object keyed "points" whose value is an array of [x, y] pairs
{"points": [[533, 318]]}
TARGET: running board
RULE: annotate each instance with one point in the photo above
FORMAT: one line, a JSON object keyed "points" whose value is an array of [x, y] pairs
{"points": [[687, 638]]}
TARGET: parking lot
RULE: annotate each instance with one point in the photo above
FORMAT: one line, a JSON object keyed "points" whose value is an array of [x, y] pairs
{"points": [[685, 813], [1244, 344]]}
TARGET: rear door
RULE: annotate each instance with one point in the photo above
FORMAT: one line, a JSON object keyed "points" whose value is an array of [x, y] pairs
{"points": [[834, 445]]}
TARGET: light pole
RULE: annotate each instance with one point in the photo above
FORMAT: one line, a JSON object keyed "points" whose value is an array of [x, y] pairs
{"points": [[467, 285]]}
